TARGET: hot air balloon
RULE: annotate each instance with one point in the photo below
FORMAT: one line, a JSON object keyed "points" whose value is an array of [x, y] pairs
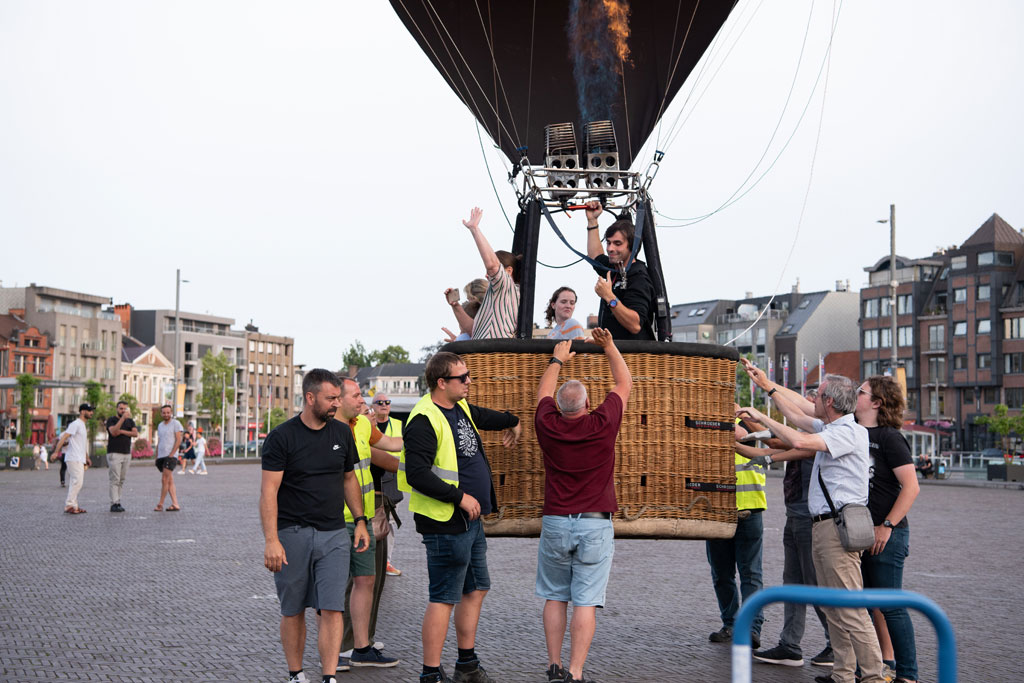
{"points": [[570, 90]]}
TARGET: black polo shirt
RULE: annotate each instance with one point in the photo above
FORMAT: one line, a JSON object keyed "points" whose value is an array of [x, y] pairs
{"points": [[637, 294]]}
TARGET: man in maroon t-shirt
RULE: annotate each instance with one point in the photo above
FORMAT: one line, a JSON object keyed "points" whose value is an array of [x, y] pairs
{"points": [[576, 539]]}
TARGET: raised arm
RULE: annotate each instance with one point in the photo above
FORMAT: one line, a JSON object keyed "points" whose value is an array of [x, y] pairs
{"points": [[616, 363], [463, 318], [594, 248], [794, 438], [779, 393], [549, 380], [491, 262]]}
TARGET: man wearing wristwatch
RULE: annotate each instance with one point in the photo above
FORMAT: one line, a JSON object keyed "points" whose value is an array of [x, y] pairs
{"points": [[307, 460], [576, 539], [625, 287], [446, 474], [363, 570]]}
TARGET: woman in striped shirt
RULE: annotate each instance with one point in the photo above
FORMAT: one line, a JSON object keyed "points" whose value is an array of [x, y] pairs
{"points": [[499, 311], [559, 312]]}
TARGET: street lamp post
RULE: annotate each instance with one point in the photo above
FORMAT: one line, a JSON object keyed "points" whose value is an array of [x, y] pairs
{"points": [[893, 284]]}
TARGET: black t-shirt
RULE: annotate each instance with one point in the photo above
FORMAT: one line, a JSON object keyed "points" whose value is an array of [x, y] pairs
{"points": [[637, 294], [888, 450], [187, 444], [314, 462], [123, 443], [474, 474]]}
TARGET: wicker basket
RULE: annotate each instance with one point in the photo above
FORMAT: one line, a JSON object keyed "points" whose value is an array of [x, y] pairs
{"points": [[667, 466]]}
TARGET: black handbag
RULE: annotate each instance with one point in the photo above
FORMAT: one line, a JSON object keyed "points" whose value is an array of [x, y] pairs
{"points": [[856, 528]]}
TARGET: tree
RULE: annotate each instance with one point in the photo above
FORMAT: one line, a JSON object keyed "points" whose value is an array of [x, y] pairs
{"points": [[430, 349], [743, 387], [217, 374], [390, 354], [356, 355], [103, 407], [1002, 423], [277, 416], [26, 401]]}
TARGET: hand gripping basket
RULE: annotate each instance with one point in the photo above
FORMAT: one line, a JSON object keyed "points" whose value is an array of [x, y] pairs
{"points": [[674, 471]]}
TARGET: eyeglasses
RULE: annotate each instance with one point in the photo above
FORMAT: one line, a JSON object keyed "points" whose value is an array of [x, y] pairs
{"points": [[383, 403], [464, 377], [862, 390]]}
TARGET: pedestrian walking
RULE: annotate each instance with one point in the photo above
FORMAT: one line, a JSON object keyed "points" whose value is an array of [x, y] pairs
{"points": [[77, 457]]}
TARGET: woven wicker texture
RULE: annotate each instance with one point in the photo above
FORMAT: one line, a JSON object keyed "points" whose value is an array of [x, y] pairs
{"points": [[656, 454]]}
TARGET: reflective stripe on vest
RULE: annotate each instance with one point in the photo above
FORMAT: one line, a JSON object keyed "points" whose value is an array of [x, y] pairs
{"points": [[750, 485], [361, 433], [446, 461]]}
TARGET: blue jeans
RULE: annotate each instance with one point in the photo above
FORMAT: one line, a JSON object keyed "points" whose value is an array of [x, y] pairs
{"points": [[885, 570], [741, 553], [457, 564]]}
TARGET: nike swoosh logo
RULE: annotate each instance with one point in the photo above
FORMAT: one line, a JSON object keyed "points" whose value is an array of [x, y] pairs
{"points": [[336, 447]]}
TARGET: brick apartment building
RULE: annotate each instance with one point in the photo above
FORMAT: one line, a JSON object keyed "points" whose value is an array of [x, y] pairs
{"points": [[25, 350], [960, 331]]}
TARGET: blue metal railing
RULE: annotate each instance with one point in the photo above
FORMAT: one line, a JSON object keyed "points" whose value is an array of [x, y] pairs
{"points": [[836, 597]]}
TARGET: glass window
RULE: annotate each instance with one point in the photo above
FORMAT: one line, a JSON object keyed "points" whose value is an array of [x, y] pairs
{"points": [[959, 295], [260, 345], [804, 304], [905, 336], [1013, 328], [960, 328], [958, 262], [886, 337], [959, 362], [252, 346], [1014, 398], [984, 292], [872, 367], [870, 308], [252, 367], [984, 326], [870, 339], [984, 361], [936, 369], [936, 337], [700, 311], [909, 365], [911, 400], [1013, 363], [986, 258], [693, 312], [990, 395]]}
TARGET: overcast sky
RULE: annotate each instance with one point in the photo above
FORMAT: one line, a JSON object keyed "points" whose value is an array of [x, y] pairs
{"points": [[307, 168]]}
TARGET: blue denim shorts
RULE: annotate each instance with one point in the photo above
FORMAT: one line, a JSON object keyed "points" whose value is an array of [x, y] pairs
{"points": [[574, 559], [457, 564], [317, 569]]}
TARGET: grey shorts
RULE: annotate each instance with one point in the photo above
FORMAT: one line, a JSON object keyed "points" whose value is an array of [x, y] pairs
{"points": [[317, 569]]}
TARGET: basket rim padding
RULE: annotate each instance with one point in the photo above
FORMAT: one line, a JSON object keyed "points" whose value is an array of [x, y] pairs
{"points": [[625, 346]]}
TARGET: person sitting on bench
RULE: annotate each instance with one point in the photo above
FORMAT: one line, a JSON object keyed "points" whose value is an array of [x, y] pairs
{"points": [[925, 465]]}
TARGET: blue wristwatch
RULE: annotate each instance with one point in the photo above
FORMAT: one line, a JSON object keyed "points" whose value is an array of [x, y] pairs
{"points": [[613, 303]]}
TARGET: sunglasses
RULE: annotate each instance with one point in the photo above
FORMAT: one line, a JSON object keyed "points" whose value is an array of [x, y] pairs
{"points": [[464, 377], [862, 390], [383, 403]]}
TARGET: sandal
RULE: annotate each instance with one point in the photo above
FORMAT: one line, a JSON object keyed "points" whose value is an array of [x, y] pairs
{"points": [[69, 511], [158, 508], [173, 508], [75, 511]]}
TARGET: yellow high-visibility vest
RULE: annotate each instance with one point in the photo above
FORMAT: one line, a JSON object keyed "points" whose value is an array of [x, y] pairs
{"points": [[446, 461], [361, 433]]}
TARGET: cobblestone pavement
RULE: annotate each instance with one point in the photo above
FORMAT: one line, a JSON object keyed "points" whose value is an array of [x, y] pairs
{"points": [[145, 596]]}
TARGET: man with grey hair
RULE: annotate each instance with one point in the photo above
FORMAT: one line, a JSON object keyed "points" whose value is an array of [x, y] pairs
{"points": [[576, 539], [841, 466]]}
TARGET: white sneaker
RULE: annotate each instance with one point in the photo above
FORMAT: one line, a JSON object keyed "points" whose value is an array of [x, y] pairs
{"points": [[298, 678], [204, 472]]}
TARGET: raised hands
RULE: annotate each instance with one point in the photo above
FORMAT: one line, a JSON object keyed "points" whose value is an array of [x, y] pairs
{"points": [[474, 218]]}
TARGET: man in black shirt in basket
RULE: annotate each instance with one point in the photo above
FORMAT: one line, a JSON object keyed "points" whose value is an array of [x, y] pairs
{"points": [[306, 462], [626, 291]]}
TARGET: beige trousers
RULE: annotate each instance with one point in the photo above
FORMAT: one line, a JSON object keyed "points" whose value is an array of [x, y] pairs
{"points": [[117, 466], [853, 637]]}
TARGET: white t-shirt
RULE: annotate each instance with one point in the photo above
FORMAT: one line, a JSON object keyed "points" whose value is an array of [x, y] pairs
{"points": [[200, 447], [844, 466], [165, 432], [78, 442]]}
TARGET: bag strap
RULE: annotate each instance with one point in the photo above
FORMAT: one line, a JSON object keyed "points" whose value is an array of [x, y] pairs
{"points": [[828, 498]]}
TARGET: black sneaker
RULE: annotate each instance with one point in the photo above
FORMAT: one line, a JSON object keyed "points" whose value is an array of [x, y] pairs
{"points": [[372, 657], [755, 640], [116, 507], [557, 674], [439, 677], [824, 679], [824, 658], [477, 675], [724, 635], [779, 655]]}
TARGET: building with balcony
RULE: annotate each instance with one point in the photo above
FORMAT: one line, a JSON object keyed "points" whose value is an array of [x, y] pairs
{"points": [[25, 350], [959, 331], [402, 382], [87, 340], [268, 378], [199, 334], [787, 328]]}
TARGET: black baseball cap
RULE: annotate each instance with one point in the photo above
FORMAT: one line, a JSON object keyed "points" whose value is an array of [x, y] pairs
{"points": [[85, 406]]}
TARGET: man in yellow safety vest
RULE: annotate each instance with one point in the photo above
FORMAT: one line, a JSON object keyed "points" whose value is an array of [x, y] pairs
{"points": [[742, 552], [446, 473]]}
